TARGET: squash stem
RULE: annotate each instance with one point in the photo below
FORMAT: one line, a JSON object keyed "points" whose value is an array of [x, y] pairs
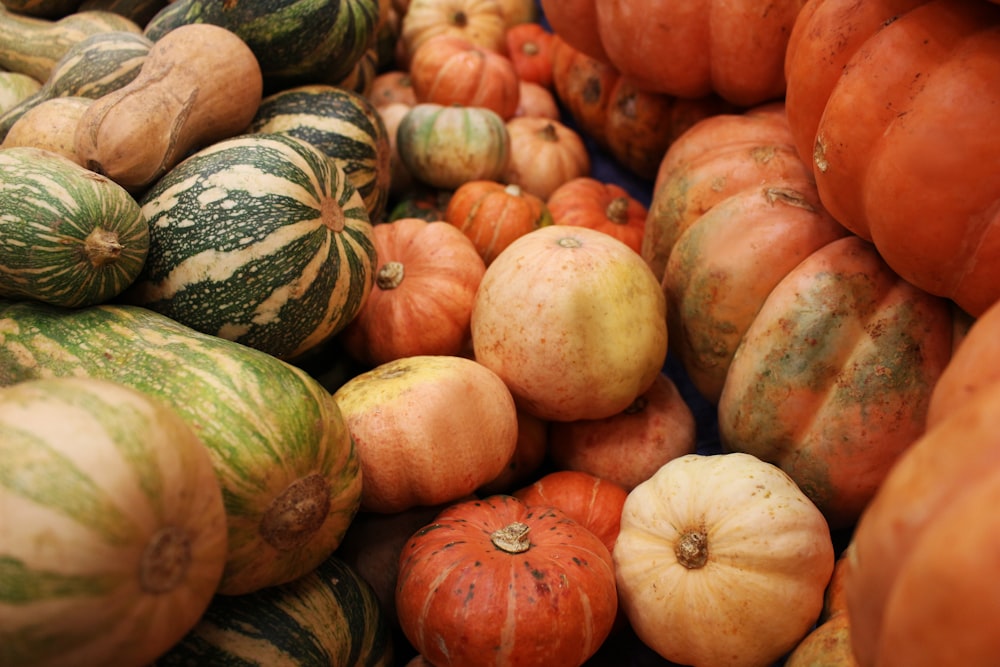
{"points": [[692, 549], [512, 538], [102, 247]]}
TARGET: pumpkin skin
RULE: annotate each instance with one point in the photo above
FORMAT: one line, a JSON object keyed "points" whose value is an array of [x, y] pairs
{"points": [[737, 535], [464, 600], [606, 207], [421, 303], [921, 90], [112, 525], [832, 379], [573, 321], [927, 543], [428, 429], [493, 215], [449, 69]]}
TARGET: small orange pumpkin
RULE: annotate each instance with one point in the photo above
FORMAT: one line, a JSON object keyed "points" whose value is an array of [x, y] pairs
{"points": [[482, 22], [492, 215], [422, 299], [449, 69], [544, 154], [529, 46], [604, 206]]}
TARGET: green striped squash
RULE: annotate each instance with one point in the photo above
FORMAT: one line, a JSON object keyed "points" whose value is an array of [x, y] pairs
{"points": [[297, 42], [288, 468], [260, 239], [33, 46], [343, 124], [112, 527], [330, 618], [91, 68], [68, 236], [15, 88]]}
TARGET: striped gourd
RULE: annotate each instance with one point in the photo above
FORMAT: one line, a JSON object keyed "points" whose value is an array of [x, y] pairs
{"points": [[94, 66], [112, 527], [33, 46], [289, 471], [343, 124], [296, 42], [15, 87], [330, 616], [68, 236], [260, 239]]}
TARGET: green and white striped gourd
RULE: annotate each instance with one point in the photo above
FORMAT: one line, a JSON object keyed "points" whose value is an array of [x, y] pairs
{"points": [[288, 468], [112, 525], [15, 87], [33, 46], [330, 616], [91, 68], [68, 237], [259, 239], [296, 42], [342, 123]]}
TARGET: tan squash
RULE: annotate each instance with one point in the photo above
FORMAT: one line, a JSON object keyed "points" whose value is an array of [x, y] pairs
{"points": [[200, 83], [50, 125]]}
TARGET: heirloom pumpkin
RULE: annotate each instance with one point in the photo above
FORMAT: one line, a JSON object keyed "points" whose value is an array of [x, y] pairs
{"points": [[734, 534], [573, 321], [915, 84], [496, 582]]}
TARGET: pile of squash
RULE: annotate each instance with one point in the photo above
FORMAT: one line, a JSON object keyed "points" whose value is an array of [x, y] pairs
{"points": [[496, 332]]}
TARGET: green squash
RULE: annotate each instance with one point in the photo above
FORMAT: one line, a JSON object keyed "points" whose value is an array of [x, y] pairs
{"points": [[288, 468]]}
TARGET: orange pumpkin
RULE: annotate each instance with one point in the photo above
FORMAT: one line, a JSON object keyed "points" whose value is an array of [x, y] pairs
{"points": [[428, 429], [544, 154], [534, 100], [627, 448], [529, 456], [482, 22], [604, 206], [576, 22], [492, 215], [573, 321], [391, 87], [451, 70], [496, 582], [529, 47], [914, 84], [422, 299]]}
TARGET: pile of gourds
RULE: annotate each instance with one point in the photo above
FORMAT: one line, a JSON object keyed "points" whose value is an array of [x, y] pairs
{"points": [[493, 332]]}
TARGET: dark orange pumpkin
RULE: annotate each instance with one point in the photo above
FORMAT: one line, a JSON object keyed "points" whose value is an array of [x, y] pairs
{"points": [[604, 206], [529, 47], [497, 582], [895, 104]]}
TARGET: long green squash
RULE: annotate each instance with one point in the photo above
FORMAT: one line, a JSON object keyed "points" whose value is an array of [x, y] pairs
{"points": [[329, 617], [288, 468], [260, 239], [112, 526], [68, 236], [296, 42]]}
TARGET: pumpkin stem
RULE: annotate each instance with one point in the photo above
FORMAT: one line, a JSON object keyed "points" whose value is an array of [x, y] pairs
{"points": [[460, 19], [165, 560], [513, 189], [297, 513], [548, 133], [787, 196], [692, 549], [569, 242], [616, 210], [102, 247], [512, 538], [390, 275], [530, 48]]}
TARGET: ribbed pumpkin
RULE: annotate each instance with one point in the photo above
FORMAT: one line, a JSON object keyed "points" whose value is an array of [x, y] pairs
{"points": [[260, 239], [328, 616], [604, 206], [917, 84], [112, 527], [68, 236], [344, 125], [496, 582]]}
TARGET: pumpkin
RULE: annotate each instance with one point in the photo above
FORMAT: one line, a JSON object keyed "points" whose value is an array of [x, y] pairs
{"points": [[497, 582], [536, 101], [628, 447], [482, 22], [112, 525], [915, 83], [449, 69], [428, 429], [529, 47], [329, 616], [392, 86], [593, 502], [919, 588], [401, 181], [421, 303], [605, 206], [721, 560], [493, 215], [829, 643], [544, 154], [686, 50], [444, 146], [573, 321]]}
